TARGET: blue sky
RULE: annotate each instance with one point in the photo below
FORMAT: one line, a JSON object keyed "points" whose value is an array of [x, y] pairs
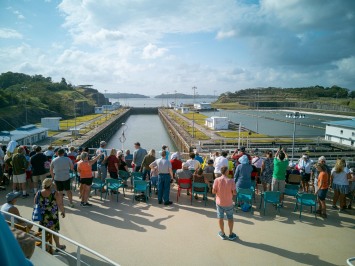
{"points": [[159, 46]]}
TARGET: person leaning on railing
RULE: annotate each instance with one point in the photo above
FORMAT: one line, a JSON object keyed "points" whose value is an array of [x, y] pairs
{"points": [[50, 203]]}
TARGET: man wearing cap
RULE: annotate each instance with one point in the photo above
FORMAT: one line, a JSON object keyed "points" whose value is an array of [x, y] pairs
{"points": [[164, 177], [59, 170], [237, 155], [19, 166], [102, 161], [39, 172], [138, 156], [305, 167], [9, 207]]}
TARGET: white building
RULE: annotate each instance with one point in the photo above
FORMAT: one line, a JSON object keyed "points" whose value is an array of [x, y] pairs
{"points": [[202, 106], [107, 107], [217, 123], [342, 132], [52, 123], [26, 135]]}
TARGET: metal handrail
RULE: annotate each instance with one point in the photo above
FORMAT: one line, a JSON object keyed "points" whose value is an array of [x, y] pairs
{"points": [[43, 246]]}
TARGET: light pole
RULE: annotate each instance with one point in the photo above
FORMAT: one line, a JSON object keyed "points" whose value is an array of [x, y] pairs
{"points": [[294, 116], [74, 120], [193, 113], [257, 115], [214, 97], [123, 137]]}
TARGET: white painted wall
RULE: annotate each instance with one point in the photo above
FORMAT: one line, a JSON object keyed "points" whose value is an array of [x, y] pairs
{"points": [[342, 135]]}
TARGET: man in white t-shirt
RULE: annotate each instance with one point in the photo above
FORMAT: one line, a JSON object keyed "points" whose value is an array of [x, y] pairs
{"points": [[192, 162], [219, 162]]}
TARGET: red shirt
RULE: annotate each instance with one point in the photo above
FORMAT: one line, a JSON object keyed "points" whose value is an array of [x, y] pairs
{"points": [[111, 161], [176, 164]]}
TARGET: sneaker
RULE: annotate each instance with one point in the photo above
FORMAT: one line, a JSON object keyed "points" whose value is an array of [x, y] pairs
{"points": [[342, 210], [232, 237], [222, 236], [334, 207], [71, 205], [168, 203], [87, 204], [82, 204], [160, 201]]}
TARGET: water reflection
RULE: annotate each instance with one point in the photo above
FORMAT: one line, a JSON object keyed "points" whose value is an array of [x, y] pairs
{"points": [[146, 129]]}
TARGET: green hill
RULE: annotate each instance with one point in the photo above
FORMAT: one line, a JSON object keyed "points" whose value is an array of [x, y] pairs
{"points": [[42, 97]]}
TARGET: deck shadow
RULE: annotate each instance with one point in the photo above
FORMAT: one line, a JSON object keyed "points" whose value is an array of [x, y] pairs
{"points": [[302, 258]]}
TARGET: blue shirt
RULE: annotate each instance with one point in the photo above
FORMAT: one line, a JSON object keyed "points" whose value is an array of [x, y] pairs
{"points": [[242, 175]]}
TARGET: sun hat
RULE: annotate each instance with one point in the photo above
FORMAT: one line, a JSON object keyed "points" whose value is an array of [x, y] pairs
{"points": [[244, 159], [12, 195], [102, 143]]}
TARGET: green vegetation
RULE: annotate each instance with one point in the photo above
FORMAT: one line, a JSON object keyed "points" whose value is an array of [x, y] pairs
{"points": [[42, 97], [186, 126], [199, 118], [305, 97]]}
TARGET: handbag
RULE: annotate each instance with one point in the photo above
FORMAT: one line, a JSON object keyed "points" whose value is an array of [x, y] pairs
{"points": [[37, 212]]}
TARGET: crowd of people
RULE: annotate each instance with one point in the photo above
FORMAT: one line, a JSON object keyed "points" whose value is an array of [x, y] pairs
{"points": [[48, 175]]}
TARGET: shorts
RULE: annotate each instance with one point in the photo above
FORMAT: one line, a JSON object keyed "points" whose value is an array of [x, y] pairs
{"points": [[62, 185], [305, 177], [19, 178], [228, 210], [86, 181], [35, 178], [343, 189], [278, 185], [322, 194]]}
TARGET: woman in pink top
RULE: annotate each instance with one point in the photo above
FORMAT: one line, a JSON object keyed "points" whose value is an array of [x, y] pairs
{"points": [[224, 188]]}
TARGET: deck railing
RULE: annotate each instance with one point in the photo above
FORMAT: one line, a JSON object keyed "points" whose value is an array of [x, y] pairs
{"points": [[79, 247]]}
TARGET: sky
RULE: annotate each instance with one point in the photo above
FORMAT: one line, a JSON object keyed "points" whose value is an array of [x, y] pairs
{"points": [[159, 46]]}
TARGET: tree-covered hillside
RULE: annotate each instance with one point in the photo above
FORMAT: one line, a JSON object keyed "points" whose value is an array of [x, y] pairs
{"points": [[41, 97]]}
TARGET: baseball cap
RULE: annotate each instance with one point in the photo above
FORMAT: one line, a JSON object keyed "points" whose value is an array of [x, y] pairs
{"points": [[12, 195]]}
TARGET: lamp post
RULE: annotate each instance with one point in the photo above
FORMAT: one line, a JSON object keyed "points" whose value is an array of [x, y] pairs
{"points": [[294, 116], [123, 137], [214, 97], [193, 113], [74, 120]]}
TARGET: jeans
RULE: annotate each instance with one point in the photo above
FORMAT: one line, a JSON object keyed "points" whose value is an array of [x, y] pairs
{"points": [[163, 187], [137, 168], [102, 172], [145, 174]]}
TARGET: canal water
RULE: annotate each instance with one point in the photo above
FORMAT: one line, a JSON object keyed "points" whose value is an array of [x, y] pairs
{"points": [[146, 129]]}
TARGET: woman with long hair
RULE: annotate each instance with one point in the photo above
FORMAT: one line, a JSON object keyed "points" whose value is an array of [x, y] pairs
{"points": [[267, 168], [340, 184], [112, 164]]}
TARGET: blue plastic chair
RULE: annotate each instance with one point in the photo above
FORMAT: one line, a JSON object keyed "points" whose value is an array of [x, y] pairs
{"points": [[140, 186], [272, 197], [244, 195], [113, 185], [306, 200], [124, 176], [204, 192], [136, 176], [97, 184], [291, 190]]}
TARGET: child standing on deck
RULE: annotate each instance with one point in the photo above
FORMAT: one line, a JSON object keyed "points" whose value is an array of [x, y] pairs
{"points": [[323, 185]]}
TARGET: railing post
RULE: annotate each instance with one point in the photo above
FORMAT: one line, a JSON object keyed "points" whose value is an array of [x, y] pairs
{"points": [[43, 240], [12, 222], [78, 257]]}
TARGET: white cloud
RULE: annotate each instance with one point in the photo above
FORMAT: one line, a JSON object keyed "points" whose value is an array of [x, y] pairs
{"points": [[6, 33], [225, 34], [151, 51]]}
